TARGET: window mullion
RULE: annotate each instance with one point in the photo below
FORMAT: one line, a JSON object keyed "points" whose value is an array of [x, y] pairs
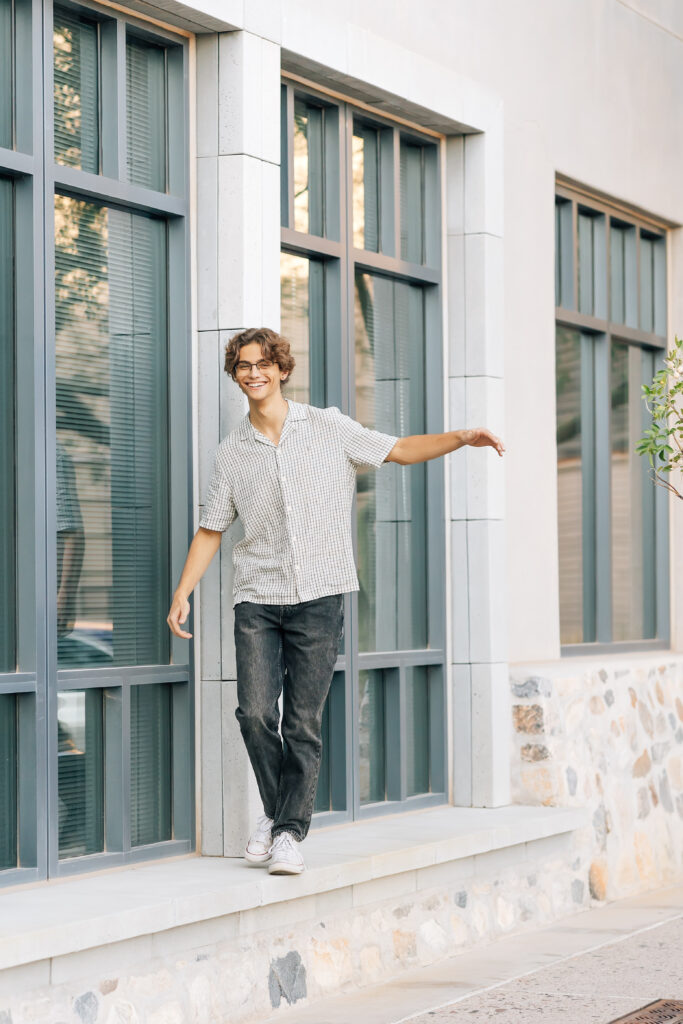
{"points": [[110, 99], [397, 193], [119, 125]]}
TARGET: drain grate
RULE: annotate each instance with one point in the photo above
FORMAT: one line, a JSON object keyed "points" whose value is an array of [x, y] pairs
{"points": [[664, 1011]]}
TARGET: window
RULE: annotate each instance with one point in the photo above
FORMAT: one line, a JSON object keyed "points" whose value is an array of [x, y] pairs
{"points": [[360, 277], [610, 279], [95, 695]]}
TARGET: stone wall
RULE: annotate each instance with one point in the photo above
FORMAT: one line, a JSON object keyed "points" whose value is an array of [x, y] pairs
{"points": [[243, 966], [608, 737]]}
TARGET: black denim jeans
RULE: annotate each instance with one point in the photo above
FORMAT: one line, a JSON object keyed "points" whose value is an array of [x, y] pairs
{"points": [[290, 647]]}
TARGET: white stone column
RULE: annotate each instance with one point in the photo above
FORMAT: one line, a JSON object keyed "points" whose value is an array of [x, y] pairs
{"points": [[238, 286], [479, 674]]}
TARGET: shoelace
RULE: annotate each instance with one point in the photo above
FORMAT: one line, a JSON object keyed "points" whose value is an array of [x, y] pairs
{"points": [[263, 827], [286, 839]]}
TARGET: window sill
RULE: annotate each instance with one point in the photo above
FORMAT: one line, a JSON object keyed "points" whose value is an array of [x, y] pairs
{"points": [[56, 918]]}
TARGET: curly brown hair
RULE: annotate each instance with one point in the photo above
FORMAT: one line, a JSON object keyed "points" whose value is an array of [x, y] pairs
{"points": [[273, 346]]}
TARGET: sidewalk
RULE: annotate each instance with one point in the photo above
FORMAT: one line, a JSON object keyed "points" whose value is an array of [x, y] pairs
{"points": [[589, 968]]}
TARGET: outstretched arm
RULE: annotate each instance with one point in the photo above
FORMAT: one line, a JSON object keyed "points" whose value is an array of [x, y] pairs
{"points": [[422, 447]]}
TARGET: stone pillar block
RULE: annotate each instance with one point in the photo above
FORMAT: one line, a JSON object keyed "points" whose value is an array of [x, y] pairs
{"points": [[484, 468], [238, 285], [484, 183], [461, 691], [490, 735], [483, 306], [486, 583]]}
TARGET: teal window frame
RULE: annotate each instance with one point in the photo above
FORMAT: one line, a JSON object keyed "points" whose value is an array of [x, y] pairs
{"points": [[587, 223], [37, 681], [331, 337]]}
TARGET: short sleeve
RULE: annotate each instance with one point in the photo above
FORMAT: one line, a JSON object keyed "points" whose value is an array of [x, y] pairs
{"points": [[362, 446], [219, 509]]}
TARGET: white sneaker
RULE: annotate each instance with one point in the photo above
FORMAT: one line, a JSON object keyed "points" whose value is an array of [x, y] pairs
{"points": [[285, 858], [260, 841]]}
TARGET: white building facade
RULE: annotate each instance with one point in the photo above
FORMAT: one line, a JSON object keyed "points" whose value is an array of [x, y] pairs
{"points": [[463, 216]]}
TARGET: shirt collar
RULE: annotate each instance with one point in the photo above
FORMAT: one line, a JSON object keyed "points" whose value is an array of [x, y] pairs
{"points": [[248, 432]]}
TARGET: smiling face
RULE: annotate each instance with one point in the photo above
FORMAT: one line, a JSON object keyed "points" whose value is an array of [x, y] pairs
{"points": [[258, 382]]}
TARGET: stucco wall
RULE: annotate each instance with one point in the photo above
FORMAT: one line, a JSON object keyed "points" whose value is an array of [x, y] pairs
{"points": [[590, 89]]}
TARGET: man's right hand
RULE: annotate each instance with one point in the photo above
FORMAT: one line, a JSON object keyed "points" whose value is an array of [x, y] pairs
{"points": [[180, 609], [204, 546]]}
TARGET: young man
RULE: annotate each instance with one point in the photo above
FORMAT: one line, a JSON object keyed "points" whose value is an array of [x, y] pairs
{"points": [[288, 471]]}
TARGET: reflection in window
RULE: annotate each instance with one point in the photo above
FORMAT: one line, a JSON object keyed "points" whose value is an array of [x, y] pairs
{"points": [[112, 438], [146, 114], [371, 736], [8, 781], [308, 168], [417, 738], [303, 324], [150, 763], [412, 202], [6, 82], [570, 484], [633, 498], [392, 534], [80, 786], [7, 432], [76, 91], [365, 169]]}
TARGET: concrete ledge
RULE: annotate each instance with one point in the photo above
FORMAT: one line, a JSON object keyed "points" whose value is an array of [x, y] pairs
{"points": [[58, 918]]}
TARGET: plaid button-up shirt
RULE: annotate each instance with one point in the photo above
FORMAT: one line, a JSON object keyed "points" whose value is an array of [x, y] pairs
{"points": [[294, 501]]}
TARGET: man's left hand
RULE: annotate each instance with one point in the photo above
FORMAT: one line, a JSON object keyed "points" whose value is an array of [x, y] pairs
{"points": [[480, 437]]}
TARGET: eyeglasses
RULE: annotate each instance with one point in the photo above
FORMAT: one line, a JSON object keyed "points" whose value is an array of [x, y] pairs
{"points": [[261, 365]]}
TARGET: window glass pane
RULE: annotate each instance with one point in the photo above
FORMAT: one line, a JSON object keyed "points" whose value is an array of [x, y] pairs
{"points": [[617, 274], [569, 484], [592, 264], [412, 202], [659, 287], [652, 283], [76, 91], [150, 763], [632, 513], [623, 286], [646, 283], [8, 781], [284, 159], [322, 793], [146, 114], [586, 263], [303, 324], [365, 169], [112, 437], [371, 733], [80, 776], [392, 535], [564, 255], [417, 735], [7, 432], [6, 77], [331, 790], [308, 168]]}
